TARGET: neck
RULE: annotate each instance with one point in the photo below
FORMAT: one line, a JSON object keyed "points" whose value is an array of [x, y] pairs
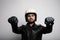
{"points": [[30, 24]]}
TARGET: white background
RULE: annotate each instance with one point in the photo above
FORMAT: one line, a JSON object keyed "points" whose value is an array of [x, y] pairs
{"points": [[44, 8]]}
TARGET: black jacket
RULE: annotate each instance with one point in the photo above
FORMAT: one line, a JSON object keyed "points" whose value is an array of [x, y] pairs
{"points": [[32, 33]]}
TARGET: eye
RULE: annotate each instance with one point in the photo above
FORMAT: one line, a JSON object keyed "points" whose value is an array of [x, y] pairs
{"points": [[32, 15], [28, 15]]}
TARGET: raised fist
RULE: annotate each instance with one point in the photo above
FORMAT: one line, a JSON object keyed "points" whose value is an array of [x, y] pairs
{"points": [[13, 20], [49, 20]]}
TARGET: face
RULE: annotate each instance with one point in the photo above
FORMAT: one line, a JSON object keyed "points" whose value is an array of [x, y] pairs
{"points": [[31, 17]]}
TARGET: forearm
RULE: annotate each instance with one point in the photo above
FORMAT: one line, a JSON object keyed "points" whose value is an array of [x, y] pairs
{"points": [[49, 21], [14, 23], [49, 28], [16, 29]]}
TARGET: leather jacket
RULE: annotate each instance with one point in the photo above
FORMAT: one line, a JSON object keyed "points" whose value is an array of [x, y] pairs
{"points": [[32, 33]]}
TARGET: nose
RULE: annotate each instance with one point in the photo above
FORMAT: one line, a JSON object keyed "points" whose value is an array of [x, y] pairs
{"points": [[30, 17]]}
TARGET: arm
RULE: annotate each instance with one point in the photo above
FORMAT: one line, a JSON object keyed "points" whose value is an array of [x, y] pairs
{"points": [[49, 21], [14, 23], [16, 29]]}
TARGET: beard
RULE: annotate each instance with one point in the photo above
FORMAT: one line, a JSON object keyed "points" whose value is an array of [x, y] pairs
{"points": [[30, 22]]}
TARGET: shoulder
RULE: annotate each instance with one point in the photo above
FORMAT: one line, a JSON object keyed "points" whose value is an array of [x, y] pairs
{"points": [[40, 25], [23, 26]]}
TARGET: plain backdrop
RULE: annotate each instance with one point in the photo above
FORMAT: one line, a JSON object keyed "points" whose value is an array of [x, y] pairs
{"points": [[44, 8]]}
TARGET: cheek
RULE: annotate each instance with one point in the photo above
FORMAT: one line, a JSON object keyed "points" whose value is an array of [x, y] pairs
{"points": [[28, 18], [34, 18]]}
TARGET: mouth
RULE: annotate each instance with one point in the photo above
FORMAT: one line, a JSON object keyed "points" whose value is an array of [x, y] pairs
{"points": [[31, 19]]}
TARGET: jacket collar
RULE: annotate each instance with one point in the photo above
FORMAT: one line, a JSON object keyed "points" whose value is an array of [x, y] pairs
{"points": [[34, 25]]}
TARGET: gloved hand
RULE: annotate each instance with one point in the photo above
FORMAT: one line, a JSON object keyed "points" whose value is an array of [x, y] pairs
{"points": [[13, 20], [49, 21]]}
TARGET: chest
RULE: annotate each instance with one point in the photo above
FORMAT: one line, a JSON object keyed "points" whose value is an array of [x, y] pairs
{"points": [[32, 31]]}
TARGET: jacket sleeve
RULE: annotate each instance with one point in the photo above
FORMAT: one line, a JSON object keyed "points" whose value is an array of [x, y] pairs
{"points": [[16, 29], [47, 29]]}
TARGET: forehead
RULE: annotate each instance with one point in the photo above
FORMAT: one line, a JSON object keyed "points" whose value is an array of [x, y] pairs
{"points": [[30, 14]]}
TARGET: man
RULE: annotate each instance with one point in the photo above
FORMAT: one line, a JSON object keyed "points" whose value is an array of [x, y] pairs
{"points": [[31, 31]]}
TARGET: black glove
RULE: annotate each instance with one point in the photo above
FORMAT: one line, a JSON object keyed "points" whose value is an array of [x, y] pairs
{"points": [[49, 21], [13, 20]]}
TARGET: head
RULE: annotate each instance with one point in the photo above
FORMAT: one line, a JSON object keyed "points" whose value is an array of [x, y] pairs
{"points": [[30, 16]]}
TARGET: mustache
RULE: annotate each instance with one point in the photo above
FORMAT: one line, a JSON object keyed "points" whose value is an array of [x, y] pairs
{"points": [[31, 18]]}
